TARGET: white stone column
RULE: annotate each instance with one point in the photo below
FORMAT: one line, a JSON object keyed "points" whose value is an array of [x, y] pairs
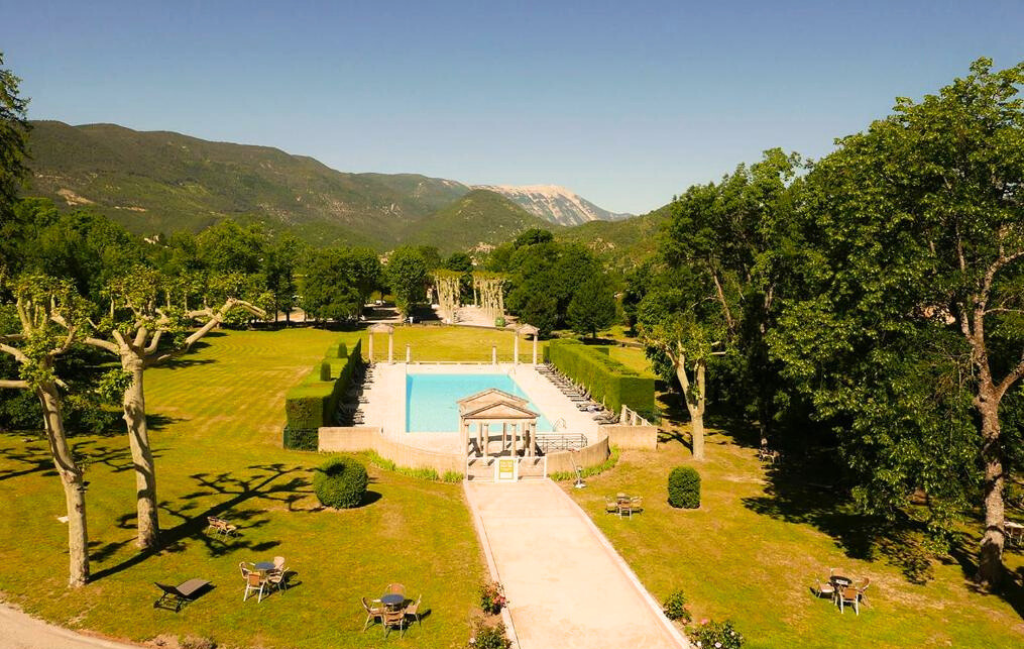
{"points": [[494, 354], [408, 353], [391, 347], [534, 350], [371, 347]]}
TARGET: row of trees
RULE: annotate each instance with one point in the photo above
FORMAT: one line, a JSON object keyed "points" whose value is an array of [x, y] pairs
{"points": [[874, 298]]}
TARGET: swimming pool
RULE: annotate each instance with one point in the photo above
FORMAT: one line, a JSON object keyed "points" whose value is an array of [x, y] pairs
{"points": [[431, 399]]}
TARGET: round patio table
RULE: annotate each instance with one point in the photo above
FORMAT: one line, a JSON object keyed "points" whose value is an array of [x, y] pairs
{"points": [[841, 582], [393, 599], [264, 565]]}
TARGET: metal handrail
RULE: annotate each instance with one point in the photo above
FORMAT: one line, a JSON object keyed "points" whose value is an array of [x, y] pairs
{"points": [[548, 442]]}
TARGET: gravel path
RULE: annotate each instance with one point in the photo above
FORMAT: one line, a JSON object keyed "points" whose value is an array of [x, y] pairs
{"points": [[20, 631]]}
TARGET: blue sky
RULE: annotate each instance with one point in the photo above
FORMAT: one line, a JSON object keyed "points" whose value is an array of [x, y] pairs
{"points": [[626, 103]]}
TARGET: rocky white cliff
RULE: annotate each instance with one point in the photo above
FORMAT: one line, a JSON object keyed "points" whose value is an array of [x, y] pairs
{"points": [[555, 204]]}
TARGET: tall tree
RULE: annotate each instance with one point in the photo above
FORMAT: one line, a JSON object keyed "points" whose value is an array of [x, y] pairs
{"points": [[681, 323], [14, 129], [330, 288], [916, 233], [278, 270], [406, 274], [30, 335], [145, 329], [737, 234], [592, 308]]}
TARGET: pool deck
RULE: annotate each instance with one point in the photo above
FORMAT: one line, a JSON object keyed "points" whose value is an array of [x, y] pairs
{"points": [[385, 407]]}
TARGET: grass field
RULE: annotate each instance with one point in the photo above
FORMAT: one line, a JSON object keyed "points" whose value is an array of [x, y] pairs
{"points": [[748, 554], [751, 556], [217, 416]]}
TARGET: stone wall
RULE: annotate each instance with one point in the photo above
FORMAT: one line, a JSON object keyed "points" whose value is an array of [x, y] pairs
{"points": [[644, 438], [354, 439], [365, 438], [560, 462]]}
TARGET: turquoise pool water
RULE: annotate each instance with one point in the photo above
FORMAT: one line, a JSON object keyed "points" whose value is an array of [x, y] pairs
{"points": [[430, 399]]}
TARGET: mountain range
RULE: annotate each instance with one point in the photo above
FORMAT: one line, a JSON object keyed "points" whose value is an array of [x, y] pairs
{"points": [[160, 181], [555, 204]]}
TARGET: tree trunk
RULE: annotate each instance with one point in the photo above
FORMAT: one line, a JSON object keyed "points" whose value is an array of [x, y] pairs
{"points": [[73, 481], [694, 399], [990, 558], [142, 455]]}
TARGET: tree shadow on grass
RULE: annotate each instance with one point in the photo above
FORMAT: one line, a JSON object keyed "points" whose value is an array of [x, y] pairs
{"points": [[34, 457], [810, 494], [263, 485], [158, 421], [181, 363], [30, 459], [965, 553]]}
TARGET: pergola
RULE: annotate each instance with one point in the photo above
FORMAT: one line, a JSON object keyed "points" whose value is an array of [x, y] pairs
{"points": [[491, 408], [526, 330], [382, 328]]}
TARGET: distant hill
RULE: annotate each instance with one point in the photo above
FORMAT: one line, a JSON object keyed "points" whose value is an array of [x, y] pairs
{"points": [[621, 244], [479, 217], [161, 181], [554, 204]]}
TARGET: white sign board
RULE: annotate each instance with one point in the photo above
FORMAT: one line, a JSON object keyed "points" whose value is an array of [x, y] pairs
{"points": [[506, 469]]}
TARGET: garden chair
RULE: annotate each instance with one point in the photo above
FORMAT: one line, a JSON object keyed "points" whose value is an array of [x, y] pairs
{"points": [[181, 594], [374, 612], [824, 589], [611, 505], [395, 589], [413, 610], [850, 595], [636, 505], [391, 618], [862, 589], [245, 568], [278, 578], [1014, 534], [221, 526], [254, 581], [827, 587], [278, 563]]}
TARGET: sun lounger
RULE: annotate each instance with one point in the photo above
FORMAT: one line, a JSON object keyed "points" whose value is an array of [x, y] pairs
{"points": [[181, 594]]}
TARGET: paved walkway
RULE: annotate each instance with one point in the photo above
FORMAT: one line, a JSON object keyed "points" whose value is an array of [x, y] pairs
{"points": [[566, 586], [19, 631]]}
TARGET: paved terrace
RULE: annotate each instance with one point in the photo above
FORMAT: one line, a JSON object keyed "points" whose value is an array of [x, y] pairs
{"points": [[386, 402], [566, 586]]}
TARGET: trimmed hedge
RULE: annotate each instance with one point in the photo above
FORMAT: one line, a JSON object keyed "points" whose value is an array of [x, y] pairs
{"points": [[609, 381], [684, 487], [340, 483], [302, 440], [314, 402]]}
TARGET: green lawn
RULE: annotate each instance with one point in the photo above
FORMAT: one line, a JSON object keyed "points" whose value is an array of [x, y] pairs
{"points": [[218, 416], [746, 554], [741, 557], [469, 344]]}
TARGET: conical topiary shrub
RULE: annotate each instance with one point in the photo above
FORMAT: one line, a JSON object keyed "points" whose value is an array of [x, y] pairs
{"points": [[340, 483]]}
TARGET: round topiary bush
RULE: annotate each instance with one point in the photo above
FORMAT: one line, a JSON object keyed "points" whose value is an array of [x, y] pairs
{"points": [[340, 483], [684, 487]]}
